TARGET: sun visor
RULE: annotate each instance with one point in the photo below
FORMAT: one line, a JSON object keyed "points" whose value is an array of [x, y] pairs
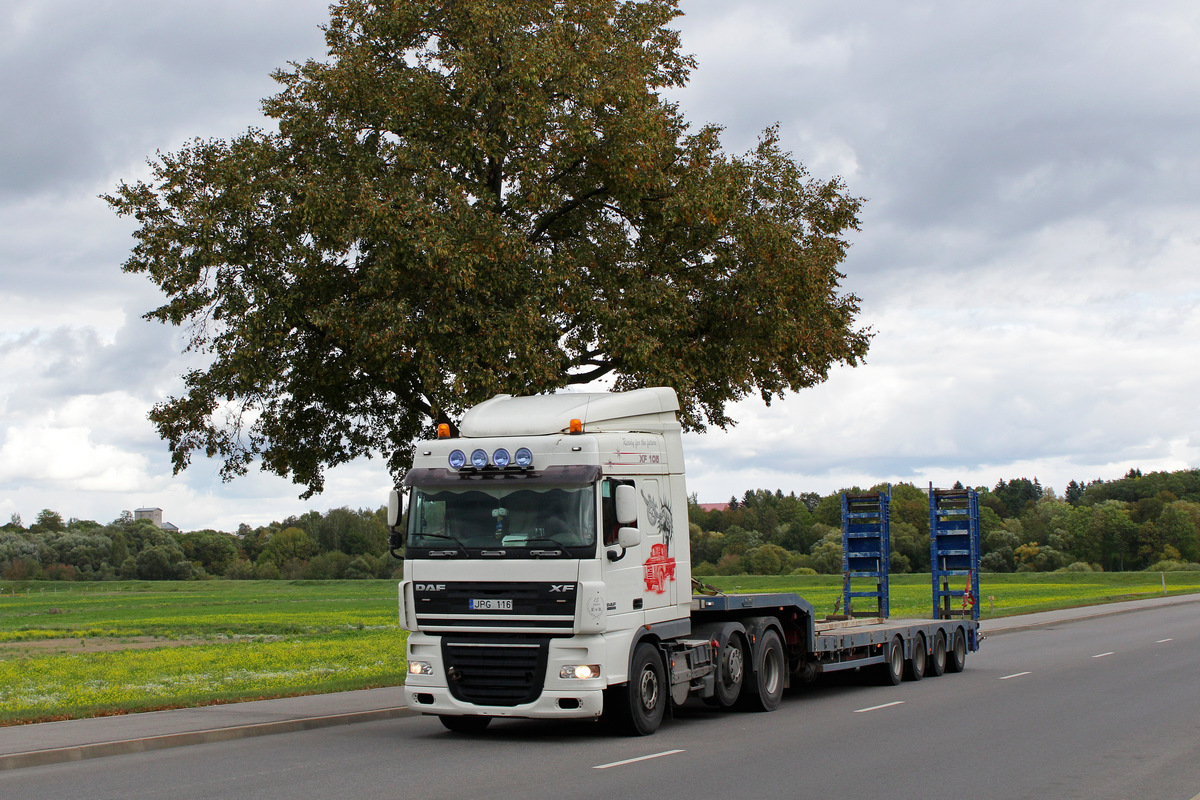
{"points": [[572, 474]]}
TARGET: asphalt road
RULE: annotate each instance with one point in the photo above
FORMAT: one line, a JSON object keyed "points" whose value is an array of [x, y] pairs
{"points": [[1103, 708]]}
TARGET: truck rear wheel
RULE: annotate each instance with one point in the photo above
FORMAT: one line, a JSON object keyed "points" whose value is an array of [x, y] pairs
{"points": [[465, 724], [957, 658], [914, 670], [731, 672], [764, 692], [937, 660], [891, 671], [646, 696]]}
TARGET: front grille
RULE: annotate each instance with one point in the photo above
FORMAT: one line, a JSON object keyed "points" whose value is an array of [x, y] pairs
{"points": [[496, 673], [535, 606]]}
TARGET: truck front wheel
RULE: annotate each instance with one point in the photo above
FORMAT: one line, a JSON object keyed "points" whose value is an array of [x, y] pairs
{"points": [[646, 695]]}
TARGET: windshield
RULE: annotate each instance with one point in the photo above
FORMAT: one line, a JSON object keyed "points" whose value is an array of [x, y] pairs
{"points": [[530, 520]]}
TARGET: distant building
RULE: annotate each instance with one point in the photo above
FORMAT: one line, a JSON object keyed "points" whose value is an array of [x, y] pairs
{"points": [[152, 514], [155, 516], [713, 506]]}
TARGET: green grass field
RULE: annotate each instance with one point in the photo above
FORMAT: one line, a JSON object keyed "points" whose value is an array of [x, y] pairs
{"points": [[87, 649]]}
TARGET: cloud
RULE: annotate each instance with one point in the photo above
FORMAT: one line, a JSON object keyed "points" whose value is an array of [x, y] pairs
{"points": [[104, 82], [1027, 256]]}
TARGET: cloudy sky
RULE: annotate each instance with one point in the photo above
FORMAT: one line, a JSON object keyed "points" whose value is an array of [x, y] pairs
{"points": [[1028, 255]]}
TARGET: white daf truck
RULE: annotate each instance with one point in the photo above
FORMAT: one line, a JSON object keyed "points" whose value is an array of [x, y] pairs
{"points": [[547, 575]]}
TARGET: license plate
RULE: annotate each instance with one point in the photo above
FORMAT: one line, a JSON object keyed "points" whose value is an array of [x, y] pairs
{"points": [[491, 605]]}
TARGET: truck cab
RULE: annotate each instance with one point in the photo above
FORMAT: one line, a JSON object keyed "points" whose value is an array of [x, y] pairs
{"points": [[541, 545]]}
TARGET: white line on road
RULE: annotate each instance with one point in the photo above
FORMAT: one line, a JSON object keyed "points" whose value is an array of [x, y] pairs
{"points": [[1161, 641], [1102, 655], [639, 758], [1015, 675], [876, 708]]}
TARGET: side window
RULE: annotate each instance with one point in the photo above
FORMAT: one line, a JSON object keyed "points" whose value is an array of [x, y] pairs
{"points": [[608, 506]]}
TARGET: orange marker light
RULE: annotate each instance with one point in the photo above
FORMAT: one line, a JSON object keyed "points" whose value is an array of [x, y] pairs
{"points": [[443, 431], [576, 426]]}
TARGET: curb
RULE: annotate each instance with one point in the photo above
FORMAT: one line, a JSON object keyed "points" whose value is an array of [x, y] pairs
{"points": [[37, 758], [1100, 612]]}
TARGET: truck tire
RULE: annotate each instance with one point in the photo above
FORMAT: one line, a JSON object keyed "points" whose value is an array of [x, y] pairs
{"points": [[467, 724], [764, 690], [956, 659], [646, 695], [914, 670], [937, 658], [891, 671], [731, 672]]}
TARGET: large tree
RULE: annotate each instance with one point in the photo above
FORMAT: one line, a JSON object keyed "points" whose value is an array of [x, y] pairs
{"points": [[471, 197]]}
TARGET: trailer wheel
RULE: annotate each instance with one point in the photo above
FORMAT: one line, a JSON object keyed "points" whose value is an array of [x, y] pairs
{"points": [[732, 673], [957, 658], [937, 661], [646, 696], [765, 691], [891, 671], [914, 670], [465, 724]]}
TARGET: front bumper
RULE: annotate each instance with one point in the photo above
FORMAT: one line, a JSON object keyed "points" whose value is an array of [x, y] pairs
{"points": [[559, 698], [587, 703]]}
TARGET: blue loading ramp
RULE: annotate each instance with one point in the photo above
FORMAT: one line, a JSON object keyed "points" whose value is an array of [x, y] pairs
{"points": [[866, 551], [954, 551]]}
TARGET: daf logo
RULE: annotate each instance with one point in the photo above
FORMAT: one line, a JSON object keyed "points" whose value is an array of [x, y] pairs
{"points": [[430, 587], [562, 587]]}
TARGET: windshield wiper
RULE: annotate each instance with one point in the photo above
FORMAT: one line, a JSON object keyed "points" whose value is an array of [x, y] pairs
{"points": [[440, 553], [545, 553]]}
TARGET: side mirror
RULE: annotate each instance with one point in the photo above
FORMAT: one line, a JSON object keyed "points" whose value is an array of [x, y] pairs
{"points": [[628, 537], [395, 508], [395, 537], [626, 498]]}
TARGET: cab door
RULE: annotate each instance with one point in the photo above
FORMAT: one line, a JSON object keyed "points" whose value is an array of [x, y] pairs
{"points": [[660, 583]]}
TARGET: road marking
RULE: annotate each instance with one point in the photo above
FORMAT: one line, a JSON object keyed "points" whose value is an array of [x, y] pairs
{"points": [[1015, 675], [1102, 655], [1161, 641], [876, 708], [639, 758]]}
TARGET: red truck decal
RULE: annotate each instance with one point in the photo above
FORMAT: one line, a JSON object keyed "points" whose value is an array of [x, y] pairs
{"points": [[659, 568]]}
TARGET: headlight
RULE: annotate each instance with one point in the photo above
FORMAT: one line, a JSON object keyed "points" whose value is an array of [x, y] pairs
{"points": [[579, 671], [500, 458], [479, 459], [457, 459], [420, 668], [524, 457]]}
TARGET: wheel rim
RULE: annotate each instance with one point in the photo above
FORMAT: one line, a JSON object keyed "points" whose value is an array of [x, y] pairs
{"points": [[648, 694], [897, 658], [919, 655], [734, 665]]}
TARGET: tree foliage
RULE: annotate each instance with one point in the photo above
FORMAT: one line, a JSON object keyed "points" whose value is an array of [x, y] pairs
{"points": [[471, 198]]}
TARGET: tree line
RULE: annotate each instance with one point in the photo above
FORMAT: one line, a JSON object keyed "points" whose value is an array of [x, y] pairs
{"points": [[1134, 523], [338, 544]]}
